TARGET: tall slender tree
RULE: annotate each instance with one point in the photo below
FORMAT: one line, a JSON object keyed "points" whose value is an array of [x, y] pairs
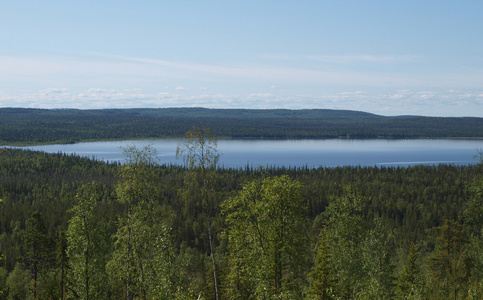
{"points": [[62, 264], [87, 245], [200, 155], [38, 246], [323, 277]]}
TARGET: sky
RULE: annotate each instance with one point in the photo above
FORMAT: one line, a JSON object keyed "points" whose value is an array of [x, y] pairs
{"points": [[385, 57]]}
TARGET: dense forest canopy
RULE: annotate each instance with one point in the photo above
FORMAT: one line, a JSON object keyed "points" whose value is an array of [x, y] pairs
{"points": [[34, 126], [290, 233]]}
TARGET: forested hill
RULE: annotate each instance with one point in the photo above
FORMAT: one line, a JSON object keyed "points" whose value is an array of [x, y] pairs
{"points": [[31, 126]]}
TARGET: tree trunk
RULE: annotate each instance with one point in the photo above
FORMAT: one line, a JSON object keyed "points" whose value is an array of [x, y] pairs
{"points": [[35, 271], [87, 273], [128, 296], [212, 256]]}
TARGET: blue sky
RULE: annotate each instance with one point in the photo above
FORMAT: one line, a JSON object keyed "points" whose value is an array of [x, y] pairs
{"points": [[385, 57]]}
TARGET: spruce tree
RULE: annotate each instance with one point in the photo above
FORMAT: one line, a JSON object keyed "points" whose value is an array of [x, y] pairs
{"points": [[410, 281], [323, 277], [450, 268]]}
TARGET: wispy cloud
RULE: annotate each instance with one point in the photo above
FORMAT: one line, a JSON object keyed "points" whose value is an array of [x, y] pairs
{"points": [[123, 71], [346, 59]]}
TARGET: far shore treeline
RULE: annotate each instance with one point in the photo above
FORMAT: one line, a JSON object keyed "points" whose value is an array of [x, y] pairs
{"points": [[22, 126]]}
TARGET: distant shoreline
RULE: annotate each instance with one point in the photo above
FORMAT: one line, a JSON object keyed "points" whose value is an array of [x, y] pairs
{"points": [[24, 127]]}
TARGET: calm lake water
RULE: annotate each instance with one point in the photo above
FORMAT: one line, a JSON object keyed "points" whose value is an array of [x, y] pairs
{"points": [[297, 153]]}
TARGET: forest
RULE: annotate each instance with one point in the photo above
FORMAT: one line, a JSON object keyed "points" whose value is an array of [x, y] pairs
{"points": [[23, 126], [77, 228]]}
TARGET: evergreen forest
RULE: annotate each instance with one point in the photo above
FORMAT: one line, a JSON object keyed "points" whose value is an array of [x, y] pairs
{"points": [[77, 228], [24, 126]]}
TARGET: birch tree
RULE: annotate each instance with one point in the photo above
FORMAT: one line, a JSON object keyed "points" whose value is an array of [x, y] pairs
{"points": [[200, 155], [87, 246], [267, 239], [142, 257]]}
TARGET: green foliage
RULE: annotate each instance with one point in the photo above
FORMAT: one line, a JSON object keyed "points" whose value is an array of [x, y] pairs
{"points": [[199, 149], [473, 214], [410, 282], [18, 283], [377, 252], [323, 277], [267, 251], [347, 229], [450, 268], [142, 256], [360, 249], [38, 247], [3, 280], [367, 227], [62, 264], [201, 157], [88, 246]]}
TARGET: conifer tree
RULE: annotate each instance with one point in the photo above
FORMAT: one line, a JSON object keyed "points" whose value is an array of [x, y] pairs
{"points": [[38, 247], [323, 278], [409, 285], [450, 268]]}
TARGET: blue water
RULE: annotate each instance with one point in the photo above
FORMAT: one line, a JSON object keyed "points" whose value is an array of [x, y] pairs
{"points": [[297, 153]]}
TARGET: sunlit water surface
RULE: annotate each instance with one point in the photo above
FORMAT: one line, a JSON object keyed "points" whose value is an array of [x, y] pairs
{"points": [[296, 153]]}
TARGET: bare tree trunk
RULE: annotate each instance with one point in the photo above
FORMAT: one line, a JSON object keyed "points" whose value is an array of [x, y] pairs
{"points": [[128, 296], [212, 256], [35, 280], [141, 269], [87, 273], [86, 254], [62, 280]]}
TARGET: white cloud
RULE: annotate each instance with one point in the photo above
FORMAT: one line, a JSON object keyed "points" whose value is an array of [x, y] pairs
{"points": [[54, 91], [180, 88], [260, 95], [97, 90], [398, 102], [356, 93]]}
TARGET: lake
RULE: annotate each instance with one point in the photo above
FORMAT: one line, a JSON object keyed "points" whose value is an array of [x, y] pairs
{"points": [[297, 153]]}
